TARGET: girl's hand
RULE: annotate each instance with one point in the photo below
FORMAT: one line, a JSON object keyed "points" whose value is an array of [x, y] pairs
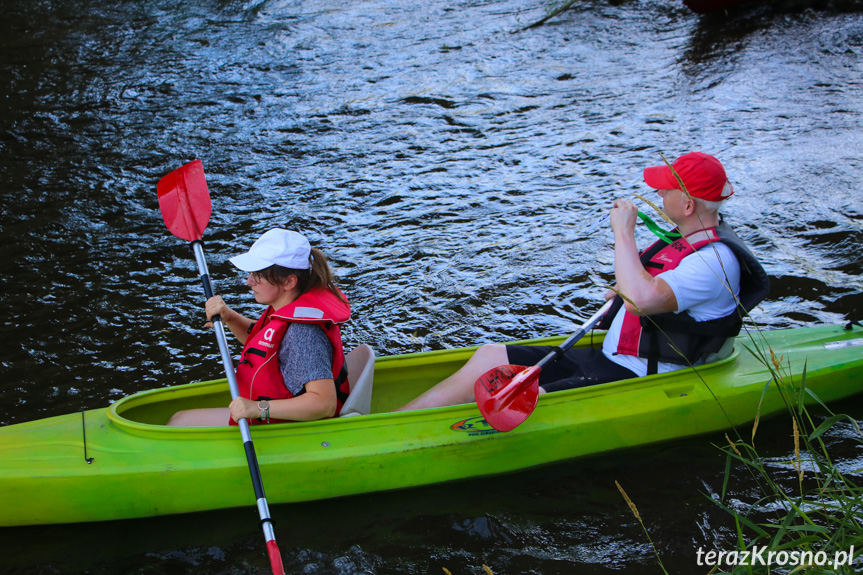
{"points": [[240, 326], [242, 408], [216, 306]]}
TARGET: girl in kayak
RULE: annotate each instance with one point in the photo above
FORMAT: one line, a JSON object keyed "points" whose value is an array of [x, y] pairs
{"points": [[293, 365]]}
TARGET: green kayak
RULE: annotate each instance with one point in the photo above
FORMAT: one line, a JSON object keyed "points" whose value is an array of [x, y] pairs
{"points": [[140, 468]]}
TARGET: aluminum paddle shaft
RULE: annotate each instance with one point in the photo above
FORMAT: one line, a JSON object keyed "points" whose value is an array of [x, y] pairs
{"points": [[251, 457], [506, 395], [573, 339], [184, 200]]}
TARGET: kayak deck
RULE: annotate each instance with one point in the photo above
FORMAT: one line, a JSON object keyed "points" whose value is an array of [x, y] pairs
{"points": [[142, 468]]}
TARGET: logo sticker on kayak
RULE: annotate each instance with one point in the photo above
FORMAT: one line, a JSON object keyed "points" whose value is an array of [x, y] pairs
{"points": [[474, 426]]}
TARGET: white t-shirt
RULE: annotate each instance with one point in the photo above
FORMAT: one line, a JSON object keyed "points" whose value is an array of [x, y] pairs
{"points": [[699, 283]]}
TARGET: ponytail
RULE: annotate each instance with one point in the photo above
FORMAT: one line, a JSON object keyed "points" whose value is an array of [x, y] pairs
{"points": [[319, 276]]}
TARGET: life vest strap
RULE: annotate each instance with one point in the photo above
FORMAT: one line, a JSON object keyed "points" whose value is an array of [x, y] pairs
{"points": [[342, 395]]}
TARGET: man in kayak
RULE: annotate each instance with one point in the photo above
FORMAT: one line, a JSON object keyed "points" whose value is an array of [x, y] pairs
{"points": [[676, 303], [293, 364]]}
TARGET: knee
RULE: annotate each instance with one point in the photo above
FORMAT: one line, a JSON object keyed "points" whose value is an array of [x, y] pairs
{"points": [[179, 419], [490, 353], [486, 357]]}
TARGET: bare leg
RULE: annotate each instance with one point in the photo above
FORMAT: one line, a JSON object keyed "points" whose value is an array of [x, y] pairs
{"points": [[458, 388], [205, 417]]}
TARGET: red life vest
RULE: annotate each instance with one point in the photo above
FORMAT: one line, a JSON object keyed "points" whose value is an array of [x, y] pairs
{"points": [[258, 373], [667, 258], [679, 338]]}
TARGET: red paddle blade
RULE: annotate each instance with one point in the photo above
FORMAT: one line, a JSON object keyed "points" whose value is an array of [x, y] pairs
{"points": [[506, 395], [185, 201], [275, 557]]}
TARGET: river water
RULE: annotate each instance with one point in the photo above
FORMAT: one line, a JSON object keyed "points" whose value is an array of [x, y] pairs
{"points": [[448, 162]]}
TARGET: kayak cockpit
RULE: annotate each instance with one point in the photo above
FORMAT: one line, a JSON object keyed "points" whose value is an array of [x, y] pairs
{"points": [[155, 407]]}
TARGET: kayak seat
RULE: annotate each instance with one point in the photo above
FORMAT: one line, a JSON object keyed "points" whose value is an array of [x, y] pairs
{"points": [[361, 372], [725, 351]]}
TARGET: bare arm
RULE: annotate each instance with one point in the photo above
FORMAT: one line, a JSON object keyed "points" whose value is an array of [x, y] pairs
{"points": [[238, 324], [319, 401], [643, 294]]}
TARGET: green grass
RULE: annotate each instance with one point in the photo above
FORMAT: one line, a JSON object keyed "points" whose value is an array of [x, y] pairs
{"points": [[809, 526]]}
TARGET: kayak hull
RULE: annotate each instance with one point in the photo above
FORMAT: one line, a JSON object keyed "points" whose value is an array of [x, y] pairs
{"points": [[141, 468]]}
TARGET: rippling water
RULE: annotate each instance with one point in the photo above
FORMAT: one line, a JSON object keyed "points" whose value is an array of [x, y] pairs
{"points": [[449, 165]]}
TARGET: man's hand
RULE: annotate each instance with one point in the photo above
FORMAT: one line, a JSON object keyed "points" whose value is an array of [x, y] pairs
{"points": [[643, 294], [624, 215]]}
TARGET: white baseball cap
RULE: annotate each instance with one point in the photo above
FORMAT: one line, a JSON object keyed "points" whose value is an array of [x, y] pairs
{"points": [[277, 246]]}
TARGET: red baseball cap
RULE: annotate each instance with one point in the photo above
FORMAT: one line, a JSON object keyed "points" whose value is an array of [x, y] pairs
{"points": [[702, 174]]}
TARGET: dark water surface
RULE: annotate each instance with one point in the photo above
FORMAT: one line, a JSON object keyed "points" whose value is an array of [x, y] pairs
{"points": [[448, 166]]}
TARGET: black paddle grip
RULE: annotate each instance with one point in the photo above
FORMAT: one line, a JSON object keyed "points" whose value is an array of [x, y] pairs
{"points": [[197, 247], [255, 472], [208, 292], [558, 351], [208, 287]]}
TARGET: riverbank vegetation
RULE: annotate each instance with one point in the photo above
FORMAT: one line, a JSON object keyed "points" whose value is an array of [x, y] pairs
{"points": [[805, 512], [812, 523]]}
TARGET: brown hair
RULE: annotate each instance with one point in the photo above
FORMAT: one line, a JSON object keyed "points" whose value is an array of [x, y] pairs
{"points": [[319, 276]]}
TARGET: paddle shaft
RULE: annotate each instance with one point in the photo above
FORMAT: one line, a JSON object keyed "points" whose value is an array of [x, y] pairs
{"points": [[555, 353], [251, 457], [558, 351], [506, 395]]}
